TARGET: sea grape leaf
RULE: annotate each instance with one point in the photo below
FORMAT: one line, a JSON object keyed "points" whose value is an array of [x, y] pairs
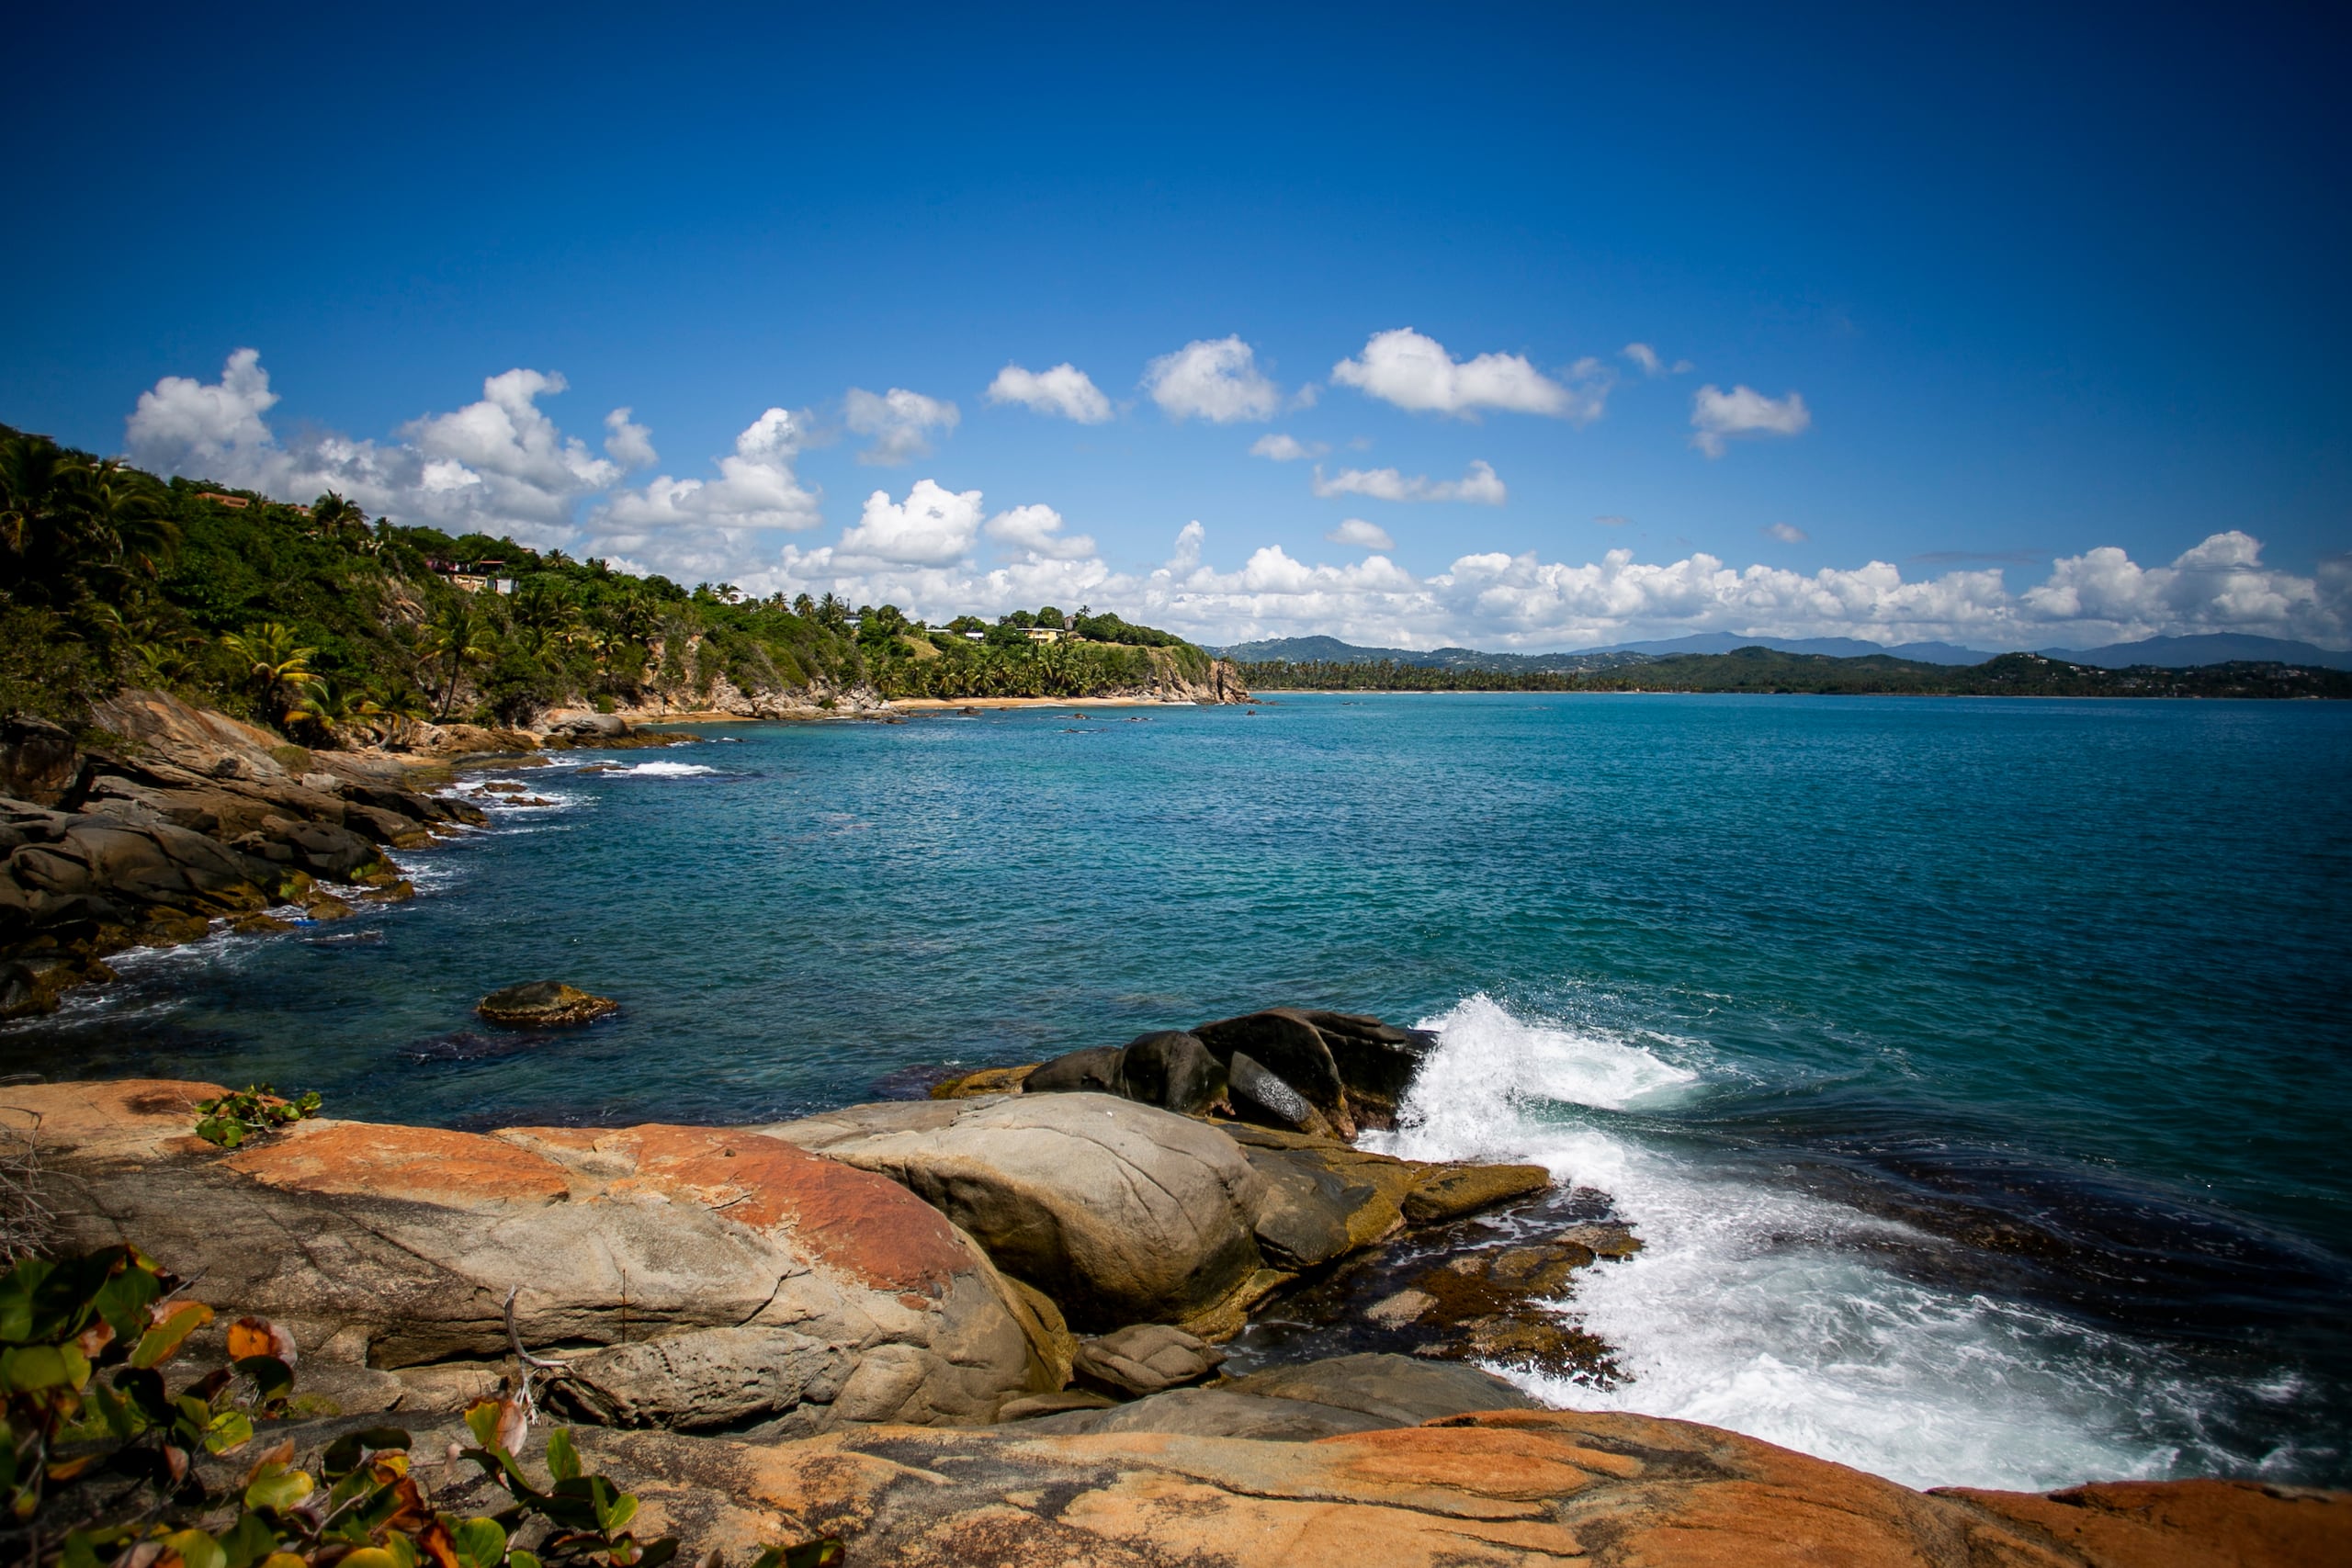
{"points": [[195, 1549], [159, 1343], [481, 1543], [563, 1457], [278, 1487], [228, 1432]]}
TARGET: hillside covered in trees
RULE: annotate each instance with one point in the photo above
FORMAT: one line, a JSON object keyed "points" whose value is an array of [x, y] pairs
{"points": [[325, 624], [1766, 670]]}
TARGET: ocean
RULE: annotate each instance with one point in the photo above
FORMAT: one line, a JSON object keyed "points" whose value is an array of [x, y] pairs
{"points": [[1976, 1070]]}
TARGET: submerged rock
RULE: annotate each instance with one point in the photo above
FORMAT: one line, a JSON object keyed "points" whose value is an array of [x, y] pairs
{"points": [[543, 1004]]}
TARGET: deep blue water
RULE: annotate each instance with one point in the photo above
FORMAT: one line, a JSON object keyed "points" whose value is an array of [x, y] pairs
{"points": [[1979, 1068]]}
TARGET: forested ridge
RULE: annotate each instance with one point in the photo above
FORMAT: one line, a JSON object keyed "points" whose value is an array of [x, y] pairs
{"points": [[1765, 669], [324, 624]]}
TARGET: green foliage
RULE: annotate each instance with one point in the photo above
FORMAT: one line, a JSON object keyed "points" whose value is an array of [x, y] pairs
{"points": [[338, 631], [100, 1463], [1763, 670], [251, 1112]]}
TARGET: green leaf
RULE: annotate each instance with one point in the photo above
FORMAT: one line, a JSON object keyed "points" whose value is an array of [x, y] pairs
{"points": [[228, 1432], [481, 1421], [27, 1369], [81, 1552], [249, 1541], [386, 1438], [197, 1549], [403, 1549], [521, 1559], [482, 1543], [123, 1300], [822, 1554], [278, 1487], [616, 1515], [124, 1420], [159, 1343], [564, 1459]]}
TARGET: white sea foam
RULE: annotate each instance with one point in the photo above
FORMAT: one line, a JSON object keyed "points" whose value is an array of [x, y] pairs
{"points": [[1760, 1310], [661, 771]]}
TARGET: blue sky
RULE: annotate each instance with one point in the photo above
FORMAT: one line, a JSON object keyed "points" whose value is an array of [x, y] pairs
{"points": [[2022, 327]]}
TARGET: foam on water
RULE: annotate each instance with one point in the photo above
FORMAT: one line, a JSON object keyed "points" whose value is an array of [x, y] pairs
{"points": [[1761, 1310], [660, 770]]}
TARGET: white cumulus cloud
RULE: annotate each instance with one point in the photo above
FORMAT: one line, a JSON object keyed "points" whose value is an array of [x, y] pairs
{"points": [[1717, 415], [1038, 530], [1286, 448], [1361, 534], [499, 464], [1478, 485], [900, 421], [1065, 390], [931, 527], [629, 445], [1787, 532], [1415, 372], [1215, 379]]}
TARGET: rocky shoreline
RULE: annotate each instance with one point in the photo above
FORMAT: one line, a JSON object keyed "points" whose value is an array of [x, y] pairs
{"points": [[981, 1329]]}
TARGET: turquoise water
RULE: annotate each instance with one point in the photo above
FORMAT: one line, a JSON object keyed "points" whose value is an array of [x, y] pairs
{"points": [[1978, 1069]]}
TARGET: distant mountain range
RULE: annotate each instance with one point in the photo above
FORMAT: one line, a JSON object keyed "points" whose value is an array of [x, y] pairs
{"points": [[2164, 652]]}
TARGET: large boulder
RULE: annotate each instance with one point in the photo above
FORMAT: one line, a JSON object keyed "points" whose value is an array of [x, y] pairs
{"points": [[691, 1277], [1167, 1068], [1121, 1213], [1283, 1042], [39, 762]]}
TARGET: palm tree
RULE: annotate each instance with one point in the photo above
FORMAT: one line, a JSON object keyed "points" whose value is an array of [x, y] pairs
{"points": [[324, 708], [274, 664], [546, 613], [122, 513], [456, 642], [333, 516]]}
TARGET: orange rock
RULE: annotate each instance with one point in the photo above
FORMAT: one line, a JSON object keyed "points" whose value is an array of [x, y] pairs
{"points": [[426, 1165]]}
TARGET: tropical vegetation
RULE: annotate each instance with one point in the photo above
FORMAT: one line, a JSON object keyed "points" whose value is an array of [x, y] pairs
{"points": [[329, 628]]}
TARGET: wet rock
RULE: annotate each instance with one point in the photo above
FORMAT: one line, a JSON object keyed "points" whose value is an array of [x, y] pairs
{"points": [[1610, 1241], [987, 1081], [325, 907], [1400, 1390], [1144, 1358], [1284, 1044], [1451, 1191], [1260, 1096], [1498, 1303], [260, 925], [543, 1004], [1376, 1061], [396, 891], [1121, 1213]]}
